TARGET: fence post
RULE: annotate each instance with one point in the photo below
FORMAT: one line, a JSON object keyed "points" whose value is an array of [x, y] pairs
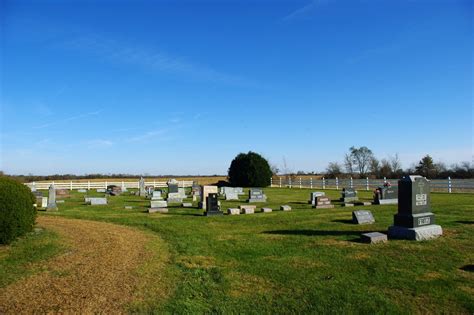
{"points": [[311, 182], [88, 185], [449, 185], [337, 183], [324, 183], [280, 182], [105, 184], [384, 180], [300, 182], [289, 181], [367, 184], [352, 184]]}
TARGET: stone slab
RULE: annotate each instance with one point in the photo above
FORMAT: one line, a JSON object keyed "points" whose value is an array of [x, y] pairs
{"points": [[158, 204], [388, 202], [97, 201], [324, 207], [241, 207], [421, 233], [348, 205], [285, 208], [362, 217], [373, 238], [266, 210], [248, 210], [128, 207], [187, 204], [233, 211], [59, 201], [157, 210]]}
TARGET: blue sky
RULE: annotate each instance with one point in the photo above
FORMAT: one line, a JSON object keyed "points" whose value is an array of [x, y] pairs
{"points": [[181, 87]]}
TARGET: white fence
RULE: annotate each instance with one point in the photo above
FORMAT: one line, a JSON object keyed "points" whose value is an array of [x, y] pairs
{"points": [[73, 185], [447, 185]]}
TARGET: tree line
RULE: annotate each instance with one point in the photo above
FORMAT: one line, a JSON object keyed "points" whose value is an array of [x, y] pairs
{"points": [[361, 162]]}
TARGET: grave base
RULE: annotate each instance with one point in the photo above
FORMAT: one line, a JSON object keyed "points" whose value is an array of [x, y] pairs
{"points": [[257, 200], [324, 207], [386, 202], [415, 234], [159, 210], [211, 213]]}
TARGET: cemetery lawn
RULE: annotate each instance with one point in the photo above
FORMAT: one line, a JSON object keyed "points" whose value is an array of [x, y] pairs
{"points": [[301, 261]]}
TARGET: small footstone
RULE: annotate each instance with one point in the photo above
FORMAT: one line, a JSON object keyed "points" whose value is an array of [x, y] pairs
{"points": [[266, 210], [187, 204], [159, 210], [233, 211], [128, 207], [348, 205], [285, 208], [373, 238], [248, 210]]}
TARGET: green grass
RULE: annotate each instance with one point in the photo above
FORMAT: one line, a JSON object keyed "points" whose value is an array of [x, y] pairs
{"points": [[305, 260], [24, 256]]}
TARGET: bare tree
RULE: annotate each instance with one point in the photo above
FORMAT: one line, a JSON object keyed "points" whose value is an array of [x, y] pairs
{"points": [[361, 158], [385, 168], [395, 163], [333, 170], [374, 167], [349, 164]]}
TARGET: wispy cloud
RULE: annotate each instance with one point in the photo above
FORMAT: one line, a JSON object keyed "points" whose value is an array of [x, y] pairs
{"points": [[115, 51], [68, 119], [157, 134], [303, 11]]}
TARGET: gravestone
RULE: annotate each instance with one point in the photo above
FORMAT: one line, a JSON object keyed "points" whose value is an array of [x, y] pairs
{"points": [[44, 202], [233, 211], [187, 205], [212, 205], [239, 190], [414, 220], [373, 238], [386, 195], [313, 196], [173, 186], [231, 194], [52, 199], [362, 217], [267, 210], [33, 187], [322, 202], [349, 195], [96, 201], [149, 191], [124, 188], [141, 188], [205, 191], [242, 207], [114, 190], [160, 206], [256, 195], [182, 192], [285, 208], [156, 195]]}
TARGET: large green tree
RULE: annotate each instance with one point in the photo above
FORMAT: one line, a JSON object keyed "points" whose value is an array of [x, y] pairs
{"points": [[426, 167], [250, 170]]}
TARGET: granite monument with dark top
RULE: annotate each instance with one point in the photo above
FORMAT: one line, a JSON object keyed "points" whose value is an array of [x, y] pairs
{"points": [[256, 195], [212, 205], [386, 195], [349, 195], [414, 220]]}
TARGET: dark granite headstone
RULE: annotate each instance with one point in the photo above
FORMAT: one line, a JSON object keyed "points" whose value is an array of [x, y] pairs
{"points": [[172, 188], [414, 219], [212, 205], [386, 195], [349, 195]]}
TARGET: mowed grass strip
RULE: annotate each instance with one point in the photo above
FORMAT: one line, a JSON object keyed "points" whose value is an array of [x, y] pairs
{"points": [[305, 260]]}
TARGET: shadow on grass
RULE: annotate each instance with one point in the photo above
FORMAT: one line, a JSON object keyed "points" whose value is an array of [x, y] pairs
{"points": [[343, 221], [315, 232], [465, 222]]}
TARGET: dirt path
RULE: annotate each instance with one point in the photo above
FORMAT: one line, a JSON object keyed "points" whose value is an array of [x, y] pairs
{"points": [[97, 274]]}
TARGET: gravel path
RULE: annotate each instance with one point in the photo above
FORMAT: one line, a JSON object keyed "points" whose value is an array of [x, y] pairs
{"points": [[96, 274]]}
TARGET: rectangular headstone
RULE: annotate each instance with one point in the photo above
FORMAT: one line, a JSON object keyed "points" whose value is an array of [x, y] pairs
{"points": [[96, 201], [362, 217], [231, 196], [174, 198], [322, 202], [386, 195], [212, 205], [266, 210], [285, 208], [349, 195], [157, 210], [315, 194], [233, 211], [187, 205], [205, 191], [44, 202], [52, 199], [158, 204], [256, 195], [414, 219], [373, 238]]}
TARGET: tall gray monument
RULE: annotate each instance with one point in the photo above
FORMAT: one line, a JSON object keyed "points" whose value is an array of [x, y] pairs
{"points": [[414, 220], [52, 199], [141, 187]]}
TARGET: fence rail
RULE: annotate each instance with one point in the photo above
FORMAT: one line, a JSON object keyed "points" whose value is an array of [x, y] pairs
{"points": [[72, 185], [446, 185]]}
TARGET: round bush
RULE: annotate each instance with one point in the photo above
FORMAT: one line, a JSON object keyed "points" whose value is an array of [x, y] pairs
{"points": [[250, 170], [17, 213]]}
